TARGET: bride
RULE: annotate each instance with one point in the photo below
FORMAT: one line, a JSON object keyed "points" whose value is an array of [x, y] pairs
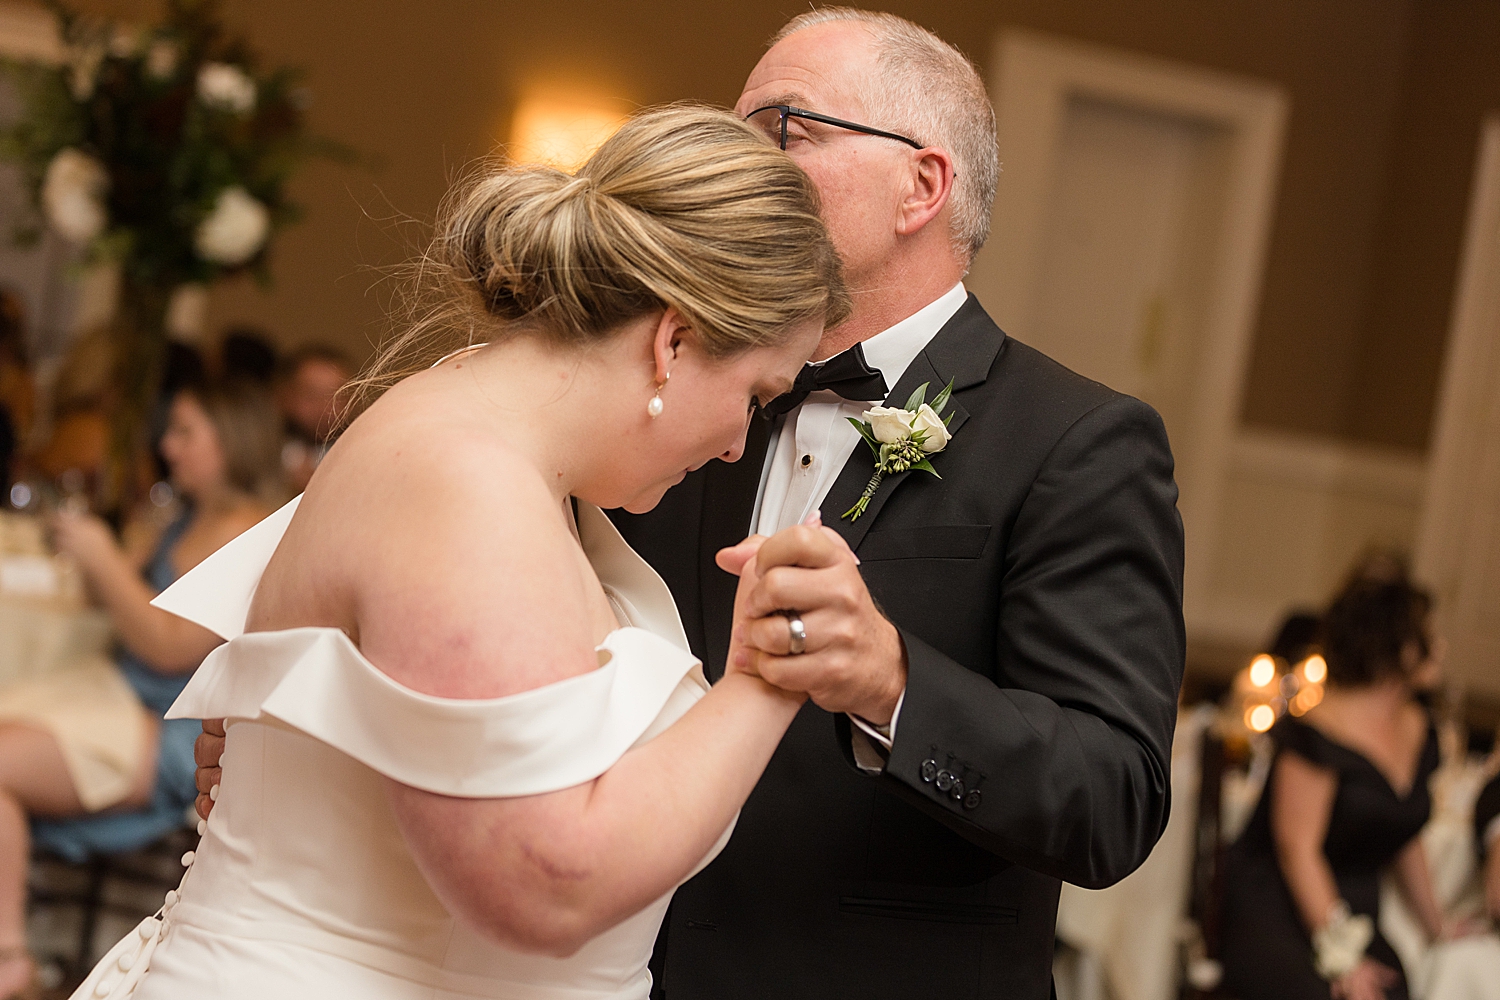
{"points": [[469, 754]]}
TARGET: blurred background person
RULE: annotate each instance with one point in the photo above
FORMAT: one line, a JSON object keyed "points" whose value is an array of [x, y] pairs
{"points": [[308, 396], [246, 352], [1486, 833], [1346, 797], [87, 766], [17, 393]]}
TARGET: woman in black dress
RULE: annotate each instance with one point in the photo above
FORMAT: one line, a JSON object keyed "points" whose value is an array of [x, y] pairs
{"points": [[1346, 797]]}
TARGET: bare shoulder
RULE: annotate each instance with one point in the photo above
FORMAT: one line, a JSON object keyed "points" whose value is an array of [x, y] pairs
{"points": [[461, 573]]}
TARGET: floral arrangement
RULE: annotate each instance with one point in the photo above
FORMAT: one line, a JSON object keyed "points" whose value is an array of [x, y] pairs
{"points": [[902, 438], [166, 152]]}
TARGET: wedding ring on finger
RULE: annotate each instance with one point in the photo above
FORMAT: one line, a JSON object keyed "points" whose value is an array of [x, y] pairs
{"points": [[797, 635]]}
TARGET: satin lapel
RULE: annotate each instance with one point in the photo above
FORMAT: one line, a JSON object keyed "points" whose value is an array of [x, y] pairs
{"points": [[728, 503], [963, 351]]}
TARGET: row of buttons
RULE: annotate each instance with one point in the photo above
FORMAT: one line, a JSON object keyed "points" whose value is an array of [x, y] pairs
{"points": [[950, 784]]}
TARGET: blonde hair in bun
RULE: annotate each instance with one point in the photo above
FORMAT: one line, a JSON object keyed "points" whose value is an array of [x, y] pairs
{"points": [[685, 206]]}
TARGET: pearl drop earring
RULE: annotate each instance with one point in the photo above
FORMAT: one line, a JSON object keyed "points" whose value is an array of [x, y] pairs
{"points": [[655, 406]]}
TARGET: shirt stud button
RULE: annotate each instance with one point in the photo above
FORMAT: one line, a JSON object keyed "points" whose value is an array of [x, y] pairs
{"points": [[806, 461], [928, 770]]}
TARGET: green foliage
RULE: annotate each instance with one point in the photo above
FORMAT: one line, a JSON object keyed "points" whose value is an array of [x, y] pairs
{"points": [[168, 153]]}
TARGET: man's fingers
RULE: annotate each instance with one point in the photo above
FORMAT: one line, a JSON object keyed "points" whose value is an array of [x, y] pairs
{"points": [[205, 778], [213, 727], [772, 634], [800, 589], [207, 749], [204, 805], [802, 545]]}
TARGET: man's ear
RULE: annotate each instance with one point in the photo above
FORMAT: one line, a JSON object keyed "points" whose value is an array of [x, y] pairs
{"points": [[930, 185], [666, 345]]}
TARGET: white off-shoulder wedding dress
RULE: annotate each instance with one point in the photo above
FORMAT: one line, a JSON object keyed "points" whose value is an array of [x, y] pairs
{"points": [[302, 887]]}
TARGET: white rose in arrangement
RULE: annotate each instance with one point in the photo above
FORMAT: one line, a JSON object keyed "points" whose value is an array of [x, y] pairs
{"points": [[187, 312], [161, 60], [929, 423], [226, 87], [889, 424], [73, 195], [235, 230]]}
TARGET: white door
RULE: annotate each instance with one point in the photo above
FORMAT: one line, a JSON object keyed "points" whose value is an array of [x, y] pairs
{"points": [[1129, 225]]}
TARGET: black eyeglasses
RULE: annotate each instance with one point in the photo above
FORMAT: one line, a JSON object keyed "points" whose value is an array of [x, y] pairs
{"points": [[785, 111]]}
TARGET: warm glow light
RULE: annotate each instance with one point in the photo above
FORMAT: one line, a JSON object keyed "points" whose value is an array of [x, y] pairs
{"points": [[1261, 718], [1315, 669], [1262, 671], [561, 131]]}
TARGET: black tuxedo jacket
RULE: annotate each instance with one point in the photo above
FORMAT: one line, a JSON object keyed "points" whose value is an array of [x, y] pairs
{"points": [[1038, 589]]}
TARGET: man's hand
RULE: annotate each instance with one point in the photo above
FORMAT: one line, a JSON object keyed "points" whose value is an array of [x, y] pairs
{"points": [[1366, 981], [854, 660], [206, 753]]}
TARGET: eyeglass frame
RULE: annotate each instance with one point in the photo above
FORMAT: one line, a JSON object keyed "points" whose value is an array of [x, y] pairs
{"points": [[789, 111]]}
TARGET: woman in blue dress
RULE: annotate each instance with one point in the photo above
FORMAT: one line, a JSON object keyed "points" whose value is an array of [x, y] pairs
{"points": [[87, 765]]}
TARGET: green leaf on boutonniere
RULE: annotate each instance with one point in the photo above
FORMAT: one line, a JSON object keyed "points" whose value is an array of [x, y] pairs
{"points": [[867, 434], [917, 398], [926, 466], [942, 399]]}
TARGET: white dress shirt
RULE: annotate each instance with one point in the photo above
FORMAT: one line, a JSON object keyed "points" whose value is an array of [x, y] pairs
{"points": [[815, 439]]}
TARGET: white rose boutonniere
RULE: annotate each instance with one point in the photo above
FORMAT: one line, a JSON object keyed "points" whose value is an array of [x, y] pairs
{"points": [[902, 439]]}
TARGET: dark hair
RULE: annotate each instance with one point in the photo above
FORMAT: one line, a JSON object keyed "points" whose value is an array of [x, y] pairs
{"points": [[12, 326], [246, 353], [1373, 622]]}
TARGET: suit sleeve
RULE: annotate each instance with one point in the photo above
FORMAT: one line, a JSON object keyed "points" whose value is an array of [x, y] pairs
{"points": [[1069, 748]]}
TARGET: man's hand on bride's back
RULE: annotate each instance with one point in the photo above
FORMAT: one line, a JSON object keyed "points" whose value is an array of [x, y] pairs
{"points": [[206, 753], [853, 661]]}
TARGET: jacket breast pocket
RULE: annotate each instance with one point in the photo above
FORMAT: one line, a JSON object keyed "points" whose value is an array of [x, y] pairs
{"points": [[938, 541]]}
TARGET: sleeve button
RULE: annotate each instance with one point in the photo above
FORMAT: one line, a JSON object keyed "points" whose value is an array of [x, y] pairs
{"points": [[956, 793], [945, 780], [971, 801], [928, 770]]}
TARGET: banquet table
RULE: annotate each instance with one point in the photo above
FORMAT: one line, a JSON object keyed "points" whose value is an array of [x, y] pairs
{"points": [[45, 623]]}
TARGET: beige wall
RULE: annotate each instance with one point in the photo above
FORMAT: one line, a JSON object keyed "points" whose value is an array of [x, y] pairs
{"points": [[1385, 104]]}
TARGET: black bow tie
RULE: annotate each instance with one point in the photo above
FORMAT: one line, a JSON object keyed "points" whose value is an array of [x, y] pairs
{"points": [[847, 374]]}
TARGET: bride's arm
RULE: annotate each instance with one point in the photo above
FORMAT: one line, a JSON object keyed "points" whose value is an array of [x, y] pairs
{"points": [[547, 873], [494, 602]]}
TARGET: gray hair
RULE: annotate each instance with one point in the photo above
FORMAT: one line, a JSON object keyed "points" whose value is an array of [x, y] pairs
{"points": [[932, 92]]}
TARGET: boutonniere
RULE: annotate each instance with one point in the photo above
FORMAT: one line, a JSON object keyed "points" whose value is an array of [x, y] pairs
{"points": [[902, 439]]}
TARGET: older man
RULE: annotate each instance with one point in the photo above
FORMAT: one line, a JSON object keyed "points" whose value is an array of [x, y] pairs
{"points": [[993, 656], [996, 679]]}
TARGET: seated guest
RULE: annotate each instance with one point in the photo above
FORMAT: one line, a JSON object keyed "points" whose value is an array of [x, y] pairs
{"points": [[246, 353], [92, 765], [308, 396], [1346, 797], [17, 394], [1486, 833]]}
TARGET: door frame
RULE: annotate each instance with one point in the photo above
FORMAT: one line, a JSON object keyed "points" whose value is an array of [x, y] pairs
{"points": [[1461, 507], [1035, 76]]}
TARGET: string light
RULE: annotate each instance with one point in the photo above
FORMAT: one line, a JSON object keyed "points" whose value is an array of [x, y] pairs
{"points": [[1315, 669], [1260, 718]]}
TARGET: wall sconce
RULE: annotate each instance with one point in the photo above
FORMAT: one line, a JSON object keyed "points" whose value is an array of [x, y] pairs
{"points": [[561, 131]]}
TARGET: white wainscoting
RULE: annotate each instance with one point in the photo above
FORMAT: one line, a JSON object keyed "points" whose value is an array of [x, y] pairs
{"points": [[1295, 512]]}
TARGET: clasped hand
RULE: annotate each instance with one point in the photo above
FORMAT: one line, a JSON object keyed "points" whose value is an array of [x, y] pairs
{"points": [[853, 660]]}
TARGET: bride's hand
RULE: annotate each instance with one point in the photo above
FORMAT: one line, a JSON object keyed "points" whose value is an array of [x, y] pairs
{"points": [[740, 560]]}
